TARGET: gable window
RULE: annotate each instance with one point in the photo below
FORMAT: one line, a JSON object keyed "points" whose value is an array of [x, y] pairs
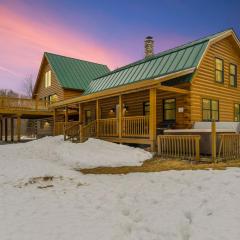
{"points": [[88, 116], [169, 109], [146, 109], [210, 110], [48, 79], [237, 112], [219, 72], [53, 98], [233, 75]]}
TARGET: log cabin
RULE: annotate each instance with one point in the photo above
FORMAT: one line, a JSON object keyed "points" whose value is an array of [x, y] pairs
{"points": [[173, 89], [198, 81]]}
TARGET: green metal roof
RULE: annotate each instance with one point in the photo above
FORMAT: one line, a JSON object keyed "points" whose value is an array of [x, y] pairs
{"points": [[74, 73], [177, 59]]}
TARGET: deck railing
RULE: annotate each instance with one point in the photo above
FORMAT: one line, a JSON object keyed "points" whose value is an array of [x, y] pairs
{"points": [[229, 148], [22, 103], [179, 146], [87, 131], [107, 127], [71, 130], [136, 126]]}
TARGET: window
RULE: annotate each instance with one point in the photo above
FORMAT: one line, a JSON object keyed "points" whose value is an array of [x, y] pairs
{"points": [[237, 112], [219, 73], [53, 98], [48, 79], [88, 116], [169, 109], [210, 110], [146, 109], [233, 75]]}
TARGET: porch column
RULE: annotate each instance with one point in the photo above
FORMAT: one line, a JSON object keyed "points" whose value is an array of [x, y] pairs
{"points": [[66, 115], [12, 129], [1, 128], [18, 128], [120, 117], [214, 141], [97, 116], [54, 121], [80, 112], [6, 129], [153, 118]]}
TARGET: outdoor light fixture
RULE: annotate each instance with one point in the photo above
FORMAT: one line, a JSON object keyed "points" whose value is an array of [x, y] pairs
{"points": [[125, 108], [112, 110]]}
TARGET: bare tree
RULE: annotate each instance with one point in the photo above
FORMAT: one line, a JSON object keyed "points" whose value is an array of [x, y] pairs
{"points": [[8, 93], [28, 85]]}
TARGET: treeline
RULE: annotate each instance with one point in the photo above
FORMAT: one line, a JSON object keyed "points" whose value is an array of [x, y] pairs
{"points": [[8, 93]]}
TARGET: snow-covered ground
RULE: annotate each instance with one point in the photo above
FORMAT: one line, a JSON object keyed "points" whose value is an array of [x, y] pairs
{"points": [[174, 205]]}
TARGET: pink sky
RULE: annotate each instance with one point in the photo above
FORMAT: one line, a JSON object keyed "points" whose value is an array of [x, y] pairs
{"points": [[23, 42]]}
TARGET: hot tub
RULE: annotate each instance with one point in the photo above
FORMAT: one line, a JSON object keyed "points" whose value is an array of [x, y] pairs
{"points": [[204, 130]]}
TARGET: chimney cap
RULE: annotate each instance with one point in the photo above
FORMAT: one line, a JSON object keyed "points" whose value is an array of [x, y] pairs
{"points": [[149, 38]]}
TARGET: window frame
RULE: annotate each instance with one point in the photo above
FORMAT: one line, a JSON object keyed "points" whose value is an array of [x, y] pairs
{"points": [[48, 79], [146, 104], [51, 98], [234, 113], [235, 75], [175, 108], [217, 70], [211, 110]]}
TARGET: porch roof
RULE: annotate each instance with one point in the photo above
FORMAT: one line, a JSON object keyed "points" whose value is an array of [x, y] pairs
{"points": [[174, 60]]}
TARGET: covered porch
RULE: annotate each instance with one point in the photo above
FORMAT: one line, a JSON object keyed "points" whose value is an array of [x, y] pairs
{"points": [[131, 117]]}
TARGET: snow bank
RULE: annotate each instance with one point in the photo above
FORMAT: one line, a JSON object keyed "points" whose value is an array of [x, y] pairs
{"points": [[92, 153], [174, 205]]}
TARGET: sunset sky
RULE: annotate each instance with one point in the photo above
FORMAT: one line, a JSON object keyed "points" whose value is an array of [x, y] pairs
{"points": [[103, 31]]}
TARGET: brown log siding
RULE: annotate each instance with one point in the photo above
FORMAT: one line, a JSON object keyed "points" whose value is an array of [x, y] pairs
{"points": [[204, 85]]}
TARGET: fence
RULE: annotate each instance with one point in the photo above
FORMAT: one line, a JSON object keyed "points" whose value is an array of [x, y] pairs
{"points": [[179, 146], [229, 148]]}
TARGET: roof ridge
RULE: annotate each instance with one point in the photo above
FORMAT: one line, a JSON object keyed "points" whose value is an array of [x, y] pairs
{"points": [[165, 52], [59, 55]]}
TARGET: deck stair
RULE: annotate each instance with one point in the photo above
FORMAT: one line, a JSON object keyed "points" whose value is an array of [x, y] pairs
{"points": [[77, 132]]}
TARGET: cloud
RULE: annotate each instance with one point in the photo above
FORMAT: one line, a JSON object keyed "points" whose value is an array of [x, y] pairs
{"points": [[23, 41], [8, 71]]}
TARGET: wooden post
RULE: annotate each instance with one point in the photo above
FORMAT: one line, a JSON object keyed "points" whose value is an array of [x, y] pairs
{"points": [[197, 146], [12, 129], [153, 118], [97, 116], [1, 128], [36, 103], [66, 115], [214, 142], [81, 133], [80, 113], [6, 129], [54, 121], [18, 128], [120, 111]]}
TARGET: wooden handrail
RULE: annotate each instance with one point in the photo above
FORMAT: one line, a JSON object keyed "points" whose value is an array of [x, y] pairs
{"points": [[179, 146], [135, 126], [107, 127], [22, 103], [72, 131], [87, 131], [229, 148]]}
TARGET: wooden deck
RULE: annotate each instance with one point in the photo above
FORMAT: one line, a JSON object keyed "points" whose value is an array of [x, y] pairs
{"points": [[25, 107], [17, 109]]}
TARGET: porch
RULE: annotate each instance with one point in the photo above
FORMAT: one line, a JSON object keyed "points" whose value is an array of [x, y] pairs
{"points": [[135, 117]]}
